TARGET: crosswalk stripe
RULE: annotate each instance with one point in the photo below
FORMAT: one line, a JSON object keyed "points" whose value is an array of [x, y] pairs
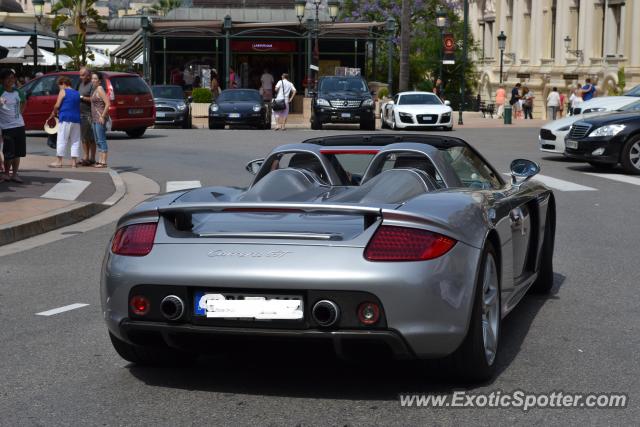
{"points": [[615, 177], [182, 185], [61, 309], [67, 189], [562, 185]]}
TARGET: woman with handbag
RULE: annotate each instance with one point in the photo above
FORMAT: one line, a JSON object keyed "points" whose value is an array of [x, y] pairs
{"points": [[285, 91], [100, 117]]}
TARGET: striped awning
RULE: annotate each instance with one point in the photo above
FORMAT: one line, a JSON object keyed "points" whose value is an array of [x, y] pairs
{"points": [[131, 48]]}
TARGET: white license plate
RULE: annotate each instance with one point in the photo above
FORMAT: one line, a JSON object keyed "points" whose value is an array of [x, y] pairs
{"points": [[135, 111], [234, 115], [571, 144], [159, 114], [258, 307], [346, 115]]}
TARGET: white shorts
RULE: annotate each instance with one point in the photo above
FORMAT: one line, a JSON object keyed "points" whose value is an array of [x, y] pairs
{"points": [[68, 133]]}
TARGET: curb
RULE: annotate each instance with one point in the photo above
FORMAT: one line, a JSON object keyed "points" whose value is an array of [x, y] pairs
{"points": [[58, 218]]}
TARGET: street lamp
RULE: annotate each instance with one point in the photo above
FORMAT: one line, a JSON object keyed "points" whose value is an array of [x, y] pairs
{"points": [[391, 32], [38, 10], [502, 44], [577, 52], [145, 23], [226, 26], [441, 23], [313, 25]]}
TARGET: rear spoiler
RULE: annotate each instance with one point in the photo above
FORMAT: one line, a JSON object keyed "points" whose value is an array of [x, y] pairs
{"points": [[270, 207]]}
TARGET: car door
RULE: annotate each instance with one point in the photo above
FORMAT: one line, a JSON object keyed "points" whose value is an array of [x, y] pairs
{"points": [[41, 97]]}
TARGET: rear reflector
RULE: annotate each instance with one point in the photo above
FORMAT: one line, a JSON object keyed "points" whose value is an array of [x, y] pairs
{"points": [[392, 243], [134, 240], [139, 305]]}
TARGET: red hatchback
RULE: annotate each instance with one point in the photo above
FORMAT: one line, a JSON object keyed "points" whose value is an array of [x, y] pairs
{"points": [[132, 108]]}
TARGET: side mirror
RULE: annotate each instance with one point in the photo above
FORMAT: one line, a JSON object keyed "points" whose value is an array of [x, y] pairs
{"points": [[390, 102], [312, 93], [190, 99], [372, 92], [447, 103], [523, 168], [254, 166]]}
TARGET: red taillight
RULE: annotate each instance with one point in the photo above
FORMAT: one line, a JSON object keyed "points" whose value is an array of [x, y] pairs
{"points": [[392, 243], [368, 313], [139, 305], [134, 240]]}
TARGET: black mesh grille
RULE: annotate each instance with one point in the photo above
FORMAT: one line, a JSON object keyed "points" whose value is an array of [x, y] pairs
{"points": [[547, 135]]}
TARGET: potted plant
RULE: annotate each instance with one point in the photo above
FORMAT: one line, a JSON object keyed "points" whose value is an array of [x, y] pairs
{"points": [[201, 99]]}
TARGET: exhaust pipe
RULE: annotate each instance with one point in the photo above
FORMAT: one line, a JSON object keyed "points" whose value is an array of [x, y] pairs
{"points": [[325, 313], [172, 307]]}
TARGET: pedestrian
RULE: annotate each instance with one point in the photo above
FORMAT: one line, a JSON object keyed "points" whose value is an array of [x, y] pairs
{"points": [[266, 85], [437, 89], [501, 98], [527, 99], [233, 82], [99, 116], [67, 109], [215, 85], [588, 90], [86, 130], [553, 103], [285, 91], [575, 100], [187, 78], [561, 107], [14, 139], [197, 82], [514, 101]]}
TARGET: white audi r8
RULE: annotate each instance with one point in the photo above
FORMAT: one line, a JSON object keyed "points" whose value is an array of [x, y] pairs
{"points": [[416, 110]]}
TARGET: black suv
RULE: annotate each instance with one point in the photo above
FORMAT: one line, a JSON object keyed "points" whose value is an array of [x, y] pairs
{"points": [[343, 100]]}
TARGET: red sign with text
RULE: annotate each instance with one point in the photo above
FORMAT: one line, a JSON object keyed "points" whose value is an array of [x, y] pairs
{"points": [[262, 46]]}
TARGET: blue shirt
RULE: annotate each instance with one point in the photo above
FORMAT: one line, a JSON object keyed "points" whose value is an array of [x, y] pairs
{"points": [[588, 91], [70, 108]]}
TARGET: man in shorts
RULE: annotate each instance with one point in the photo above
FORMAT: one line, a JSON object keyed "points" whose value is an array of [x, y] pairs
{"points": [[86, 131], [12, 124]]}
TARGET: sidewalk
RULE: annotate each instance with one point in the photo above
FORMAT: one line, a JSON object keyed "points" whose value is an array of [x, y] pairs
{"points": [[471, 119], [52, 198]]}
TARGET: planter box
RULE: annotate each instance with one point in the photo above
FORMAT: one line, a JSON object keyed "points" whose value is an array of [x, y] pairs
{"points": [[199, 109]]}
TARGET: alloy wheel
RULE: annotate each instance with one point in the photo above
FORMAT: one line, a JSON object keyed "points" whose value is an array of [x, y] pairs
{"points": [[490, 310]]}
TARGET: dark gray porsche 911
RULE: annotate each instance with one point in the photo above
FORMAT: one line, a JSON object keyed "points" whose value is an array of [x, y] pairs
{"points": [[413, 243]]}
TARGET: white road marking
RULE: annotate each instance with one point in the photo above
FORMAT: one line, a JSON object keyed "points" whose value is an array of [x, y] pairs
{"points": [[615, 177], [67, 189], [562, 185], [182, 185], [61, 309]]}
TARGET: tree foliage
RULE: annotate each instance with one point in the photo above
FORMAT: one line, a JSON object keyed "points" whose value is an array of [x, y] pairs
{"points": [[162, 7], [424, 56], [76, 51], [77, 14]]}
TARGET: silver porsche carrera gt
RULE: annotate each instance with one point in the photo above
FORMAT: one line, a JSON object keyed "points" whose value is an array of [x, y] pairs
{"points": [[412, 245]]}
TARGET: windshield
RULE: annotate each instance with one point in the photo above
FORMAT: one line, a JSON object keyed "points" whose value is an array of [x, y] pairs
{"points": [[419, 99], [341, 84], [635, 106], [634, 91], [236, 95], [168, 92]]}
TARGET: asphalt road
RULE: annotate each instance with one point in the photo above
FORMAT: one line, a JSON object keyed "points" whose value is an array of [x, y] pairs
{"points": [[62, 370]]}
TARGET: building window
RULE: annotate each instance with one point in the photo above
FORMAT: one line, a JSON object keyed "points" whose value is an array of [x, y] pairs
{"points": [[553, 30]]}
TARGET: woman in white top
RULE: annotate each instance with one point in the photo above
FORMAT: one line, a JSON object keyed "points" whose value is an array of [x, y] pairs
{"points": [[575, 100], [285, 90], [553, 103]]}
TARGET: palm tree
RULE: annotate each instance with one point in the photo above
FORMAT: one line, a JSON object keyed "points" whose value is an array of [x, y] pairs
{"points": [[162, 7], [75, 50], [78, 14], [405, 40]]}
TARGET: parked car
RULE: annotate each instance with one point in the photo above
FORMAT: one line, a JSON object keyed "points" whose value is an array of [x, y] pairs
{"points": [[172, 106], [421, 258], [416, 110], [132, 109], [239, 107], [607, 140], [600, 103], [552, 134], [343, 100]]}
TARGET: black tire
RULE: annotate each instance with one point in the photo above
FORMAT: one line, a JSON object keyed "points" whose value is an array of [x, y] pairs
{"points": [[149, 355], [602, 166], [136, 133], [448, 129], [315, 125], [368, 125], [631, 148], [215, 125], [383, 123], [267, 122], [187, 122], [469, 362], [544, 282]]}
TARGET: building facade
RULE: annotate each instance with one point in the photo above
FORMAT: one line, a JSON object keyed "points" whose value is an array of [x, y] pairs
{"points": [[556, 43]]}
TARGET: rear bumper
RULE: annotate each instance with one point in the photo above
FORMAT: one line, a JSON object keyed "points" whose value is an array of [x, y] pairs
{"points": [[427, 304], [132, 123], [190, 335]]}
